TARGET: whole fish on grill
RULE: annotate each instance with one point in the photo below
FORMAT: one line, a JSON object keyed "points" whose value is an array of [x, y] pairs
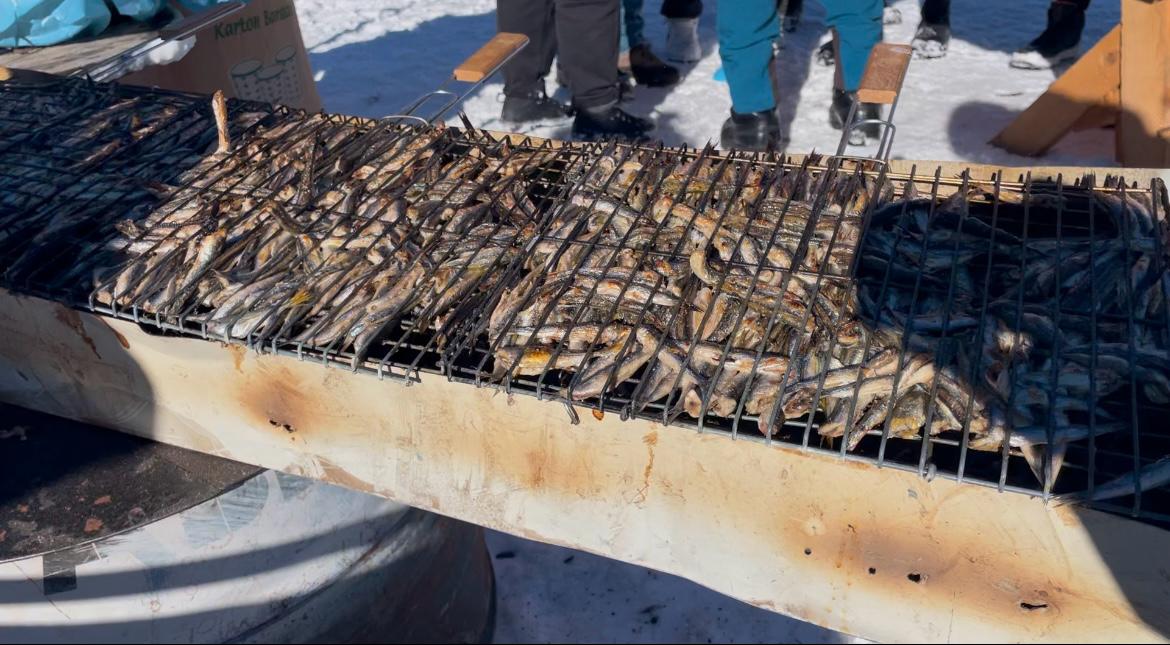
{"points": [[699, 287]]}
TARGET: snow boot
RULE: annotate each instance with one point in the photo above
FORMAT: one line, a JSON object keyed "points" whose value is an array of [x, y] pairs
{"points": [[609, 122], [931, 41], [839, 112], [826, 54], [682, 40], [649, 70], [756, 131], [533, 106], [1058, 42], [625, 86]]}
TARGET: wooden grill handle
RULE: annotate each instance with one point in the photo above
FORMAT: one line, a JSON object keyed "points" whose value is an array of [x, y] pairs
{"points": [[487, 59], [884, 73]]}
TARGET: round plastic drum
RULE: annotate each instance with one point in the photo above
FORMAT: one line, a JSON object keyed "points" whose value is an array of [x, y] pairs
{"points": [[111, 549]]}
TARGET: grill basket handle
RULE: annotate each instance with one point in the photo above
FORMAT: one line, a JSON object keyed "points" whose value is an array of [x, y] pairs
{"points": [[881, 84], [494, 53], [884, 72], [471, 72]]}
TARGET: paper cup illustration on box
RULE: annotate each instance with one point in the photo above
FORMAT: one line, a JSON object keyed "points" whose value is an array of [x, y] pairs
{"points": [[275, 83], [286, 59]]}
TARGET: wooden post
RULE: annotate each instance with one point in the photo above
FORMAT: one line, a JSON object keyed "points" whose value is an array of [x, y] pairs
{"points": [[1143, 130]]}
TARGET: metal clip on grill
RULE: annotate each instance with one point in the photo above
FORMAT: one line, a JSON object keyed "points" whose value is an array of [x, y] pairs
{"points": [[880, 85]]}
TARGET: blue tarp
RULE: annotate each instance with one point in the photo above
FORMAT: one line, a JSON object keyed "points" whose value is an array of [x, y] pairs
{"points": [[37, 23]]}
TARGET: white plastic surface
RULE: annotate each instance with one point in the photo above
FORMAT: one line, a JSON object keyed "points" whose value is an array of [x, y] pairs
{"points": [[233, 568]]}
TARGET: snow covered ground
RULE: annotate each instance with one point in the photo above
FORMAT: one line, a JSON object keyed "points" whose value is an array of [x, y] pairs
{"points": [[373, 58]]}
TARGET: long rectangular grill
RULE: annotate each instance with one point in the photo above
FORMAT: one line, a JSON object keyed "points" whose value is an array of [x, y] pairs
{"points": [[1013, 334]]}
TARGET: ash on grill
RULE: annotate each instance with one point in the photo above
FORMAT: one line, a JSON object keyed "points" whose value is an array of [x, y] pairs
{"points": [[1012, 335]]}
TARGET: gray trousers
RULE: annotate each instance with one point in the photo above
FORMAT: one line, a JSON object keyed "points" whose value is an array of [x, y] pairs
{"points": [[582, 33]]}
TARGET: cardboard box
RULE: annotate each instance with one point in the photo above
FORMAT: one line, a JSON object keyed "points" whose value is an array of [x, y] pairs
{"points": [[256, 53]]}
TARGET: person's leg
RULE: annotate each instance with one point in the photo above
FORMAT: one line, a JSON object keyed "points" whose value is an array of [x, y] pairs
{"points": [[859, 28], [682, 8], [936, 12], [746, 31], [933, 36], [525, 73], [793, 10], [640, 61], [633, 24], [587, 34], [524, 97], [1059, 41], [682, 29]]}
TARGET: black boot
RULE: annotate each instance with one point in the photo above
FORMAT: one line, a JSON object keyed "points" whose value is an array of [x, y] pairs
{"points": [[792, 13], [609, 122], [839, 112], [625, 86], [931, 41], [934, 31], [758, 131], [1058, 42], [827, 54], [649, 70], [534, 106]]}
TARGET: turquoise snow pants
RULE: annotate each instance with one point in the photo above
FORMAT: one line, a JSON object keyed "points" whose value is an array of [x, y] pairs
{"points": [[748, 27]]}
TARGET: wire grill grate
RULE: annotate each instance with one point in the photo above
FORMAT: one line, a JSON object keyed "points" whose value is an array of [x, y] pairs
{"points": [[1011, 334]]}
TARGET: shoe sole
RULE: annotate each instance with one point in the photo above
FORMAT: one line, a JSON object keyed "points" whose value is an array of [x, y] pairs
{"points": [[550, 120], [928, 49], [584, 138], [1062, 58]]}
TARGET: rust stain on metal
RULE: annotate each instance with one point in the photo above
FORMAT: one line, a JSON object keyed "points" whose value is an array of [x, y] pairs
{"points": [[338, 475], [72, 320], [237, 352], [651, 440], [275, 398], [530, 464], [991, 582], [117, 334], [992, 585], [536, 461]]}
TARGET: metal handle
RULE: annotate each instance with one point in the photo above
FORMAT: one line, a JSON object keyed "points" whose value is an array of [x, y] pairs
{"points": [[478, 67], [183, 28], [188, 25], [881, 83]]}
